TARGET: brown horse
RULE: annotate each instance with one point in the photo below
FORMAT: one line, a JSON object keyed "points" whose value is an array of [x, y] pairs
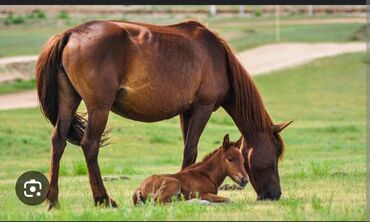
{"points": [[150, 73], [198, 180]]}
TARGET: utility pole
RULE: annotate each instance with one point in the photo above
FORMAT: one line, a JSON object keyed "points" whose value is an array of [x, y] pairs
{"points": [[241, 10], [310, 10]]}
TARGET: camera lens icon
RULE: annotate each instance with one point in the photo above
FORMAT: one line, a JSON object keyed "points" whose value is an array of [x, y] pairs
{"points": [[31, 188]]}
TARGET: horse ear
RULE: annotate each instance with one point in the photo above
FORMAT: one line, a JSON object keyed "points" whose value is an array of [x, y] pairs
{"points": [[226, 142], [239, 143], [277, 128]]}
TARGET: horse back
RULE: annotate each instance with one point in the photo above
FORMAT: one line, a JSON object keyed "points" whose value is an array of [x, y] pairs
{"points": [[140, 64]]}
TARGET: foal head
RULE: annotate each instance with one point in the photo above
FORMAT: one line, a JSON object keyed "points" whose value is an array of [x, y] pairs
{"points": [[233, 161]]}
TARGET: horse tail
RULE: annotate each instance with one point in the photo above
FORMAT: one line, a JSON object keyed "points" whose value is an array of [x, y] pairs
{"points": [[138, 198], [48, 66]]}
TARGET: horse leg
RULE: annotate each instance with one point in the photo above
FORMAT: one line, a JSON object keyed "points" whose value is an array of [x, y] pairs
{"points": [[214, 198], [67, 106], [97, 120], [198, 119], [184, 121], [169, 188]]}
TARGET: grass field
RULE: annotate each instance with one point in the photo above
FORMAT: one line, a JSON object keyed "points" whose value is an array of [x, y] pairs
{"points": [[242, 32], [17, 86], [323, 174]]}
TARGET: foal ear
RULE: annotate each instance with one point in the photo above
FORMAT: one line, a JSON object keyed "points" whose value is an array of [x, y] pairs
{"points": [[277, 128], [239, 143], [226, 142]]}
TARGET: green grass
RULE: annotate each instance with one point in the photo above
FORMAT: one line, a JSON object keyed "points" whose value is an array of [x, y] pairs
{"points": [[242, 32], [25, 39], [249, 37], [16, 86], [323, 174]]}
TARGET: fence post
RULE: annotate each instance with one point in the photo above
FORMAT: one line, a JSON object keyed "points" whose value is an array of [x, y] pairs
{"points": [[213, 10]]}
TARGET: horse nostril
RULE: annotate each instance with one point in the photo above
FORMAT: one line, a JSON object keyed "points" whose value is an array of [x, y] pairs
{"points": [[243, 181]]}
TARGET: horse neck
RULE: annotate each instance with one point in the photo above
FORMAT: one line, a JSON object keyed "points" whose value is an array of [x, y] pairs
{"points": [[245, 103], [259, 120], [246, 129], [213, 169]]}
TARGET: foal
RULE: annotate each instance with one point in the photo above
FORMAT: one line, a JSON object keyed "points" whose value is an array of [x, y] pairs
{"points": [[198, 180]]}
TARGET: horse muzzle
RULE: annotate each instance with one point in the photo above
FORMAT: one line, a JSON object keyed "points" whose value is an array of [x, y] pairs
{"points": [[243, 181], [270, 194]]}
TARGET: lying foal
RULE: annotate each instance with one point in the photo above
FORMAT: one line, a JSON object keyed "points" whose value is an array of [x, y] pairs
{"points": [[198, 180]]}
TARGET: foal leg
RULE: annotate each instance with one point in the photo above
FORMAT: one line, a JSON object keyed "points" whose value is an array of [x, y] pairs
{"points": [[97, 121], [214, 198], [198, 119], [67, 106], [169, 188]]}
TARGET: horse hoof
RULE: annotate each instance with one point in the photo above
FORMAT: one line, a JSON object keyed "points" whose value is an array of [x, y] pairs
{"points": [[53, 204], [113, 203], [105, 202]]}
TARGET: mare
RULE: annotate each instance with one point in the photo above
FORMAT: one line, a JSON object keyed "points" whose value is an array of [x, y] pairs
{"points": [[150, 73]]}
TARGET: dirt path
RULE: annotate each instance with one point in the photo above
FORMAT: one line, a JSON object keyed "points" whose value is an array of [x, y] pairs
{"points": [[16, 67], [268, 58], [17, 59], [25, 99], [260, 60]]}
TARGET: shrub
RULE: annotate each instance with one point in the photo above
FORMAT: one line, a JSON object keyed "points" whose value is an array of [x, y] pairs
{"points": [[10, 19], [63, 15], [257, 12], [38, 14]]}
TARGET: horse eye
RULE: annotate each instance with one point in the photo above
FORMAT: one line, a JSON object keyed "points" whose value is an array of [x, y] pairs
{"points": [[230, 159]]}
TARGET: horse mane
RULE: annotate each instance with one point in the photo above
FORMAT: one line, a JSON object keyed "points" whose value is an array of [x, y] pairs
{"points": [[204, 159], [209, 155], [249, 106], [248, 101]]}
